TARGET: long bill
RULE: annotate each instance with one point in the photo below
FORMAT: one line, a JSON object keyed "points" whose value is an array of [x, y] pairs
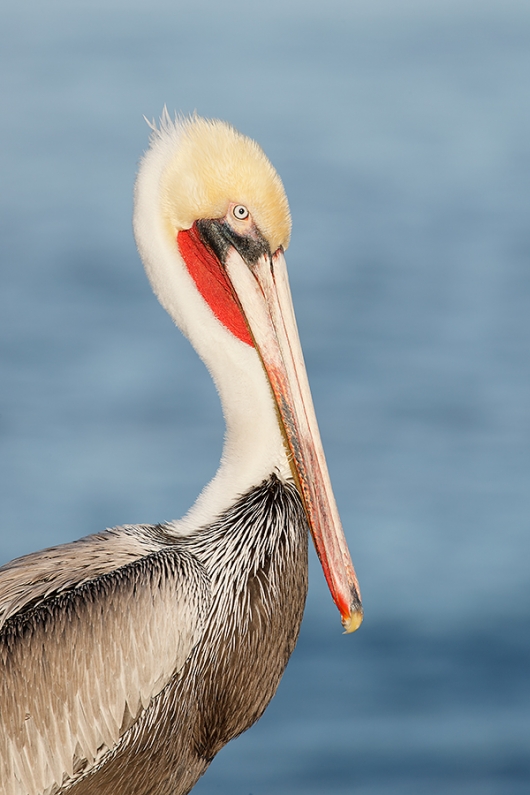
{"points": [[262, 289]]}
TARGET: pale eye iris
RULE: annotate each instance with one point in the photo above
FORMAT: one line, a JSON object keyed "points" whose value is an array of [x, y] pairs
{"points": [[240, 212]]}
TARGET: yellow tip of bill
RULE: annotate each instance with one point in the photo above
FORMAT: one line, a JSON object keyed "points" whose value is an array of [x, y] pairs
{"points": [[353, 621]]}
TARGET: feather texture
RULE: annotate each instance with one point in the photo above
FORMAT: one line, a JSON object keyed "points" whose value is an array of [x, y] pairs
{"points": [[129, 682], [80, 666]]}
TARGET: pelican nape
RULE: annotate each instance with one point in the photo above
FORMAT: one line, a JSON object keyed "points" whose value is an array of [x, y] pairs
{"points": [[130, 657]]}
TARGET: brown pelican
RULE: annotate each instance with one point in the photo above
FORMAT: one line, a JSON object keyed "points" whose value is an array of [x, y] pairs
{"points": [[130, 657]]}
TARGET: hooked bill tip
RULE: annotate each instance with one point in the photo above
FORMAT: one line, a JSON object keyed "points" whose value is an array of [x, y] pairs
{"points": [[353, 621]]}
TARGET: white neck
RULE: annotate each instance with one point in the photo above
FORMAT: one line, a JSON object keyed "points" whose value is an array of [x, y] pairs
{"points": [[254, 446]]}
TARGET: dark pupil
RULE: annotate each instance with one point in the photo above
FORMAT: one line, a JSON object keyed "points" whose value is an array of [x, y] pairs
{"points": [[241, 211]]}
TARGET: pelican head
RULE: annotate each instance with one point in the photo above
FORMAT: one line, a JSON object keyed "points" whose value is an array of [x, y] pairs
{"points": [[213, 163], [212, 223]]}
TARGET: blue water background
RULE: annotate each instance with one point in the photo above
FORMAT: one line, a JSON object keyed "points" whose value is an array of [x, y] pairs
{"points": [[402, 133]]}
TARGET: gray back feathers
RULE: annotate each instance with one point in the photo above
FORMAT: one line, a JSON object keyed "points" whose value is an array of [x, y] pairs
{"points": [[81, 666]]}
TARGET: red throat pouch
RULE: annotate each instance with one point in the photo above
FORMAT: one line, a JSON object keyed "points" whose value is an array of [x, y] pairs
{"points": [[212, 283]]}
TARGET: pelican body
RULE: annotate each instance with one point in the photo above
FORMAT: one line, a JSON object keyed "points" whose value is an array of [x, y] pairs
{"points": [[130, 657]]}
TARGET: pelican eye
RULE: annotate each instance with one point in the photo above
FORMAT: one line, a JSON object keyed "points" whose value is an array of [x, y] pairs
{"points": [[240, 212]]}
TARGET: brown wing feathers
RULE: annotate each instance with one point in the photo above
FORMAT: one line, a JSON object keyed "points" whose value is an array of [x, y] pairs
{"points": [[80, 666]]}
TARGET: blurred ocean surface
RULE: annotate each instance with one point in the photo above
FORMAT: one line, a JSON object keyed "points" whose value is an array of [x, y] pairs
{"points": [[402, 132]]}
